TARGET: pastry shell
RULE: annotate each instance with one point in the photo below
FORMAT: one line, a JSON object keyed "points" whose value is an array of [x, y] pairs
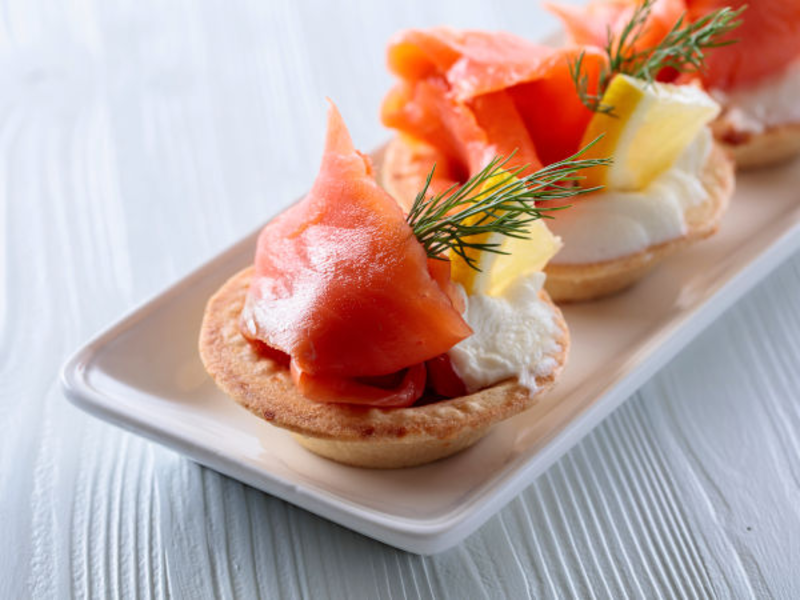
{"points": [[755, 150], [359, 436], [406, 163]]}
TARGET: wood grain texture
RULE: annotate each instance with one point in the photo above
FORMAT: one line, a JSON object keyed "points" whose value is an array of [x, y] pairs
{"points": [[137, 139]]}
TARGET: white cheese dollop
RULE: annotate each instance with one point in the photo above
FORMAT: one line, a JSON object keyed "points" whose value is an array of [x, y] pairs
{"points": [[769, 103], [613, 224], [515, 335]]}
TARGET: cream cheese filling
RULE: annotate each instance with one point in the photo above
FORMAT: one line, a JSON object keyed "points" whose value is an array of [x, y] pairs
{"points": [[770, 103], [515, 335], [613, 224]]}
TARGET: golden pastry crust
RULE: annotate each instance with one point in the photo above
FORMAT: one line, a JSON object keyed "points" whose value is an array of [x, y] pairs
{"points": [[405, 165], [756, 150], [361, 436]]}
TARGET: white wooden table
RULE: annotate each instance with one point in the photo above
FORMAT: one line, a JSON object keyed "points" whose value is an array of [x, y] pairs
{"points": [[137, 139]]}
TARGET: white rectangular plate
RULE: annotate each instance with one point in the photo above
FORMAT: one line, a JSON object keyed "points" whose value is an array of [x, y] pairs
{"points": [[144, 374]]}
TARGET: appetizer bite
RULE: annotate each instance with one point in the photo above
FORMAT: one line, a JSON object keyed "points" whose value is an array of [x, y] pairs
{"points": [[371, 335], [756, 80], [465, 95]]}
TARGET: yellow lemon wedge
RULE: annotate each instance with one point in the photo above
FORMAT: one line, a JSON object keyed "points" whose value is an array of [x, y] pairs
{"points": [[497, 271], [653, 123]]}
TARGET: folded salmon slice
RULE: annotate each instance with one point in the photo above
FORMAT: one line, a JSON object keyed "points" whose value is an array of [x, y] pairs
{"points": [[344, 288], [425, 110], [590, 24], [408, 388], [768, 39], [474, 94]]}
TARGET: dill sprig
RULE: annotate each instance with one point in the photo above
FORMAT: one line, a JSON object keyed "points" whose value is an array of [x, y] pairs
{"points": [[683, 49], [457, 218]]}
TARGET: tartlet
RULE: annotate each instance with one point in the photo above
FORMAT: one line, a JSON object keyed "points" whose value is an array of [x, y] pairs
{"points": [[353, 435], [472, 70], [359, 331]]}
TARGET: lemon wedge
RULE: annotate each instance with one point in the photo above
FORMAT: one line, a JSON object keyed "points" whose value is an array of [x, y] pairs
{"points": [[497, 271], [652, 126]]}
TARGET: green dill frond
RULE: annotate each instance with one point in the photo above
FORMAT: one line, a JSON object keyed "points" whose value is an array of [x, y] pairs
{"points": [[495, 200], [684, 49]]}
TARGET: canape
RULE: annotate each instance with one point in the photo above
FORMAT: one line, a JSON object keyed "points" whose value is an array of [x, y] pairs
{"points": [[369, 334], [463, 96]]}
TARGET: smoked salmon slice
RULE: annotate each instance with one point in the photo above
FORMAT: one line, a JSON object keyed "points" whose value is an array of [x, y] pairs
{"points": [[589, 25], [768, 41], [473, 95], [344, 288], [389, 394]]}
